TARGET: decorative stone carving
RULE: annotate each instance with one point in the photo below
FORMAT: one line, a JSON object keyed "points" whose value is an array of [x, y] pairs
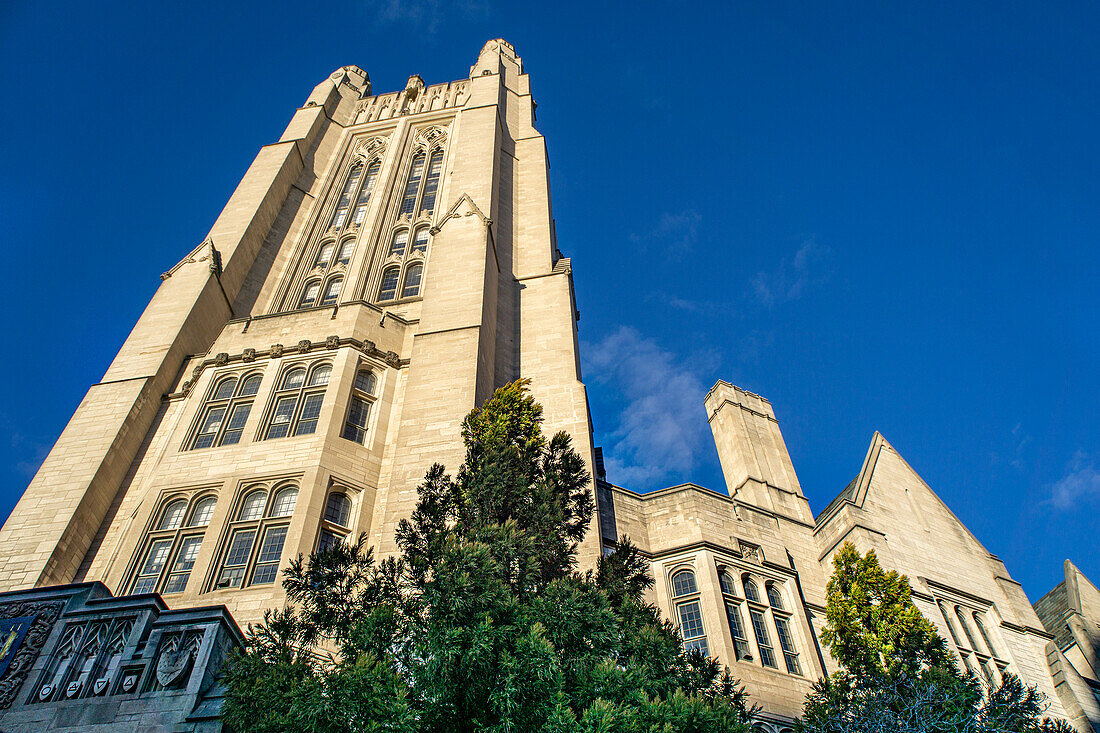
{"points": [[276, 351], [749, 552], [304, 346], [41, 616], [372, 146], [333, 342], [186, 386], [221, 359], [393, 359], [248, 355], [177, 653], [368, 347], [433, 136]]}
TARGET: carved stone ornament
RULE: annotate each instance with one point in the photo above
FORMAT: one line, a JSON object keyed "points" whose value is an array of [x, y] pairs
{"points": [[129, 681], [186, 386], [174, 661], [393, 359], [433, 135], [368, 347], [304, 346], [749, 552], [45, 614], [333, 342], [73, 688], [100, 686], [276, 351], [196, 371], [372, 146], [248, 355], [45, 692], [221, 359]]}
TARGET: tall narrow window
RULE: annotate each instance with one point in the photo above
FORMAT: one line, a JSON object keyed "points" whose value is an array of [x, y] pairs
{"points": [[362, 396], [966, 628], [255, 543], [420, 240], [309, 294], [225, 411], [412, 280], [400, 240], [763, 642], [737, 631], [344, 202], [171, 547], [324, 254], [750, 589], [296, 404], [775, 598], [364, 194], [431, 186], [346, 248], [388, 289], [336, 521], [412, 185], [683, 583], [950, 626], [691, 627], [332, 291], [786, 643]]}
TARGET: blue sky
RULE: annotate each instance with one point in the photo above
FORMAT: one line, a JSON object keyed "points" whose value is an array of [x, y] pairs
{"points": [[877, 217]]}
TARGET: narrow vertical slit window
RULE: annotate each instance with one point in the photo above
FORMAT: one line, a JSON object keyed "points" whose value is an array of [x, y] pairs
{"points": [[420, 240], [737, 631], [341, 213], [362, 396], [412, 184], [431, 186], [786, 644], [336, 521], [388, 289], [412, 280], [346, 248], [364, 194]]}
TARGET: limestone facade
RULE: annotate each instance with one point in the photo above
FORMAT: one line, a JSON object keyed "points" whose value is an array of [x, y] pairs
{"points": [[380, 269]]}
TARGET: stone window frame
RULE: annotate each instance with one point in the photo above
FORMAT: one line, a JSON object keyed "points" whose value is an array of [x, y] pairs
{"points": [[412, 253], [300, 395], [261, 527], [331, 531], [358, 394], [89, 650], [236, 399], [981, 659], [772, 619], [684, 604], [173, 538]]}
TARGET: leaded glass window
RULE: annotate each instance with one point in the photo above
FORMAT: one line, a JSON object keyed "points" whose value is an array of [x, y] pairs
{"points": [[172, 545], [230, 397], [255, 545], [296, 404]]}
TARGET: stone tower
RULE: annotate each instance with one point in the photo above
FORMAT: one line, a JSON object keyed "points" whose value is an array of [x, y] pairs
{"points": [[379, 271]]}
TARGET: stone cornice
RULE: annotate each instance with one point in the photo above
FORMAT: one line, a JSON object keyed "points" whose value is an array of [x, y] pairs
{"points": [[275, 351]]}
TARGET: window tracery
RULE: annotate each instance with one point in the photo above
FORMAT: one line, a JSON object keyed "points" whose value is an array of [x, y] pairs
{"points": [[224, 413], [256, 535], [296, 403]]}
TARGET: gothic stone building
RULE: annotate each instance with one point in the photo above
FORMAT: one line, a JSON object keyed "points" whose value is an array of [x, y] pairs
{"points": [[379, 271]]}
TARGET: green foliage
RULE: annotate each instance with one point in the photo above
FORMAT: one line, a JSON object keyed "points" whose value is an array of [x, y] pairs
{"points": [[484, 622], [897, 675]]}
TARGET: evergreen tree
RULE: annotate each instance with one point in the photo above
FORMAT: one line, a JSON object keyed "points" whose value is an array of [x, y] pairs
{"points": [[897, 675], [484, 622]]}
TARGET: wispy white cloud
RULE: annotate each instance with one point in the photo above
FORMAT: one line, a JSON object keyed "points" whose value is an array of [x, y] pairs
{"points": [[675, 233], [426, 15], [661, 429], [794, 275], [1080, 482]]}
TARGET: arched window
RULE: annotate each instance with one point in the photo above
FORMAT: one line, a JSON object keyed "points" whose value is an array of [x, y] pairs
{"points": [[412, 280], [431, 186], [683, 583], [420, 240], [775, 598], [309, 294], [344, 202], [202, 512], [984, 634], [170, 548], [336, 521], [751, 592], [362, 397], [255, 541], [412, 184], [737, 631], [324, 254], [223, 415], [725, 580], [400, 240], [364, 193], [332, 291], [296, 404], [172, 518], [388, 289], [346, 248], [285, 499]]}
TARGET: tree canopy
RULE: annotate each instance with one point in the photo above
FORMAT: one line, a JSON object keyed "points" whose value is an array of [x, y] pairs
{"points": [[483, 622], [897, 675]]}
